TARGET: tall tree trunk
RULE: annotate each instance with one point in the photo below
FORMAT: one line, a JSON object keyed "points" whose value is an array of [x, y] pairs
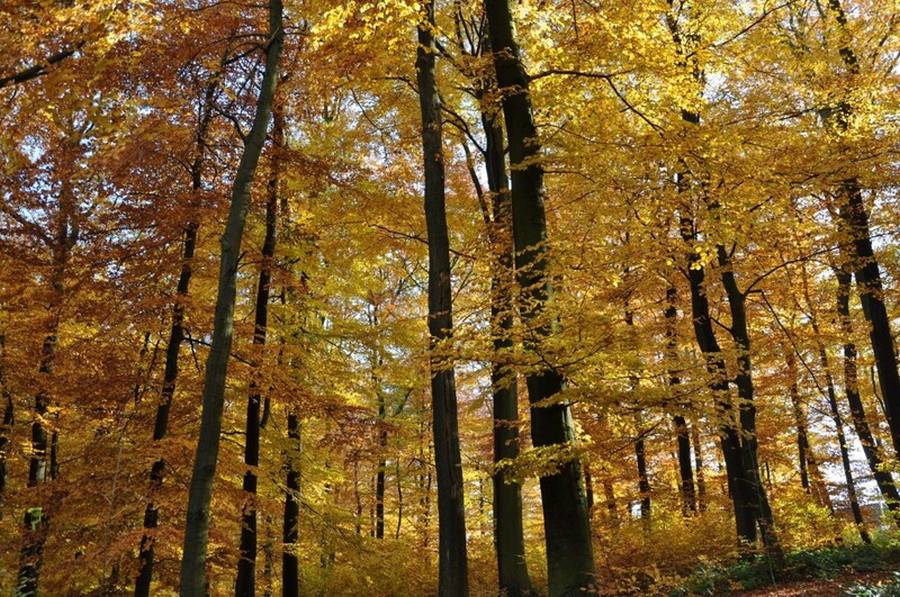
{"points": [[246, 576], [173, 349], [799, 413], [268, 573], [570, 558], [609, 494], [8, 420], [868, 282], [508, 532], [640, 456], [698, 466], [399, 503], [738, 488], [453, 566], [737, 304], [37, 518], [685, 468], [193, 562], [382, 465], [290, 574], [640, 451], [883, 478], [838, 420], [682, 437], [845, 457], [810, 475], [738, 442], [855, 224]]}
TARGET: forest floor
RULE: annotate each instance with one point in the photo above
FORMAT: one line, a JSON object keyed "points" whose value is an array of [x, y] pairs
{"points": [[855, 570], [821, 587]]}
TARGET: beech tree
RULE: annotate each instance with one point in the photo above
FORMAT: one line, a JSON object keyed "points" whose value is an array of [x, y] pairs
{"points": [[276, 280]]}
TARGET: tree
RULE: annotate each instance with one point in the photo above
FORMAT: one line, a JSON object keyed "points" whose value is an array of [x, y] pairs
{"points": [[570, 558], [453, 566], [197, 527]]}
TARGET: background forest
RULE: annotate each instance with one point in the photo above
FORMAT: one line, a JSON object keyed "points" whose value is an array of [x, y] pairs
{"points": [[237, 355]]}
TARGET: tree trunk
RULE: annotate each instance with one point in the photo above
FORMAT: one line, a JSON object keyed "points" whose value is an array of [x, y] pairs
{"points": [[744, 382], [698, 466], [508, 533], [838, 422], [8, 420], [290, 574], [570, 559], [399, 503], [609, 494], [682, 437], [246, 577], [640, 452], [685, 469], [871, 295], [589, 490], [173, 348], [382, 465], [37, 518], [855, 224], [453, 566], [845, 455], [738, 488], [883, 478], [268, 573], [640, 456], [193, 563], [799, 413]]}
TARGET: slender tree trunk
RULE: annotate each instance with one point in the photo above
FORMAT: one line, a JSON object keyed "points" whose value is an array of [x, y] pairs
{"points": [[357, 496], [508, 532], [799, 413], [698, 466], [382, 465], [290, 573], [8, 420], [173, 349], [854, 222], [845, 457], [609, 494], [399, 503], [738, 443], [744, 382], [838, 422], [810, 475], [640, 452], [193, 562], [37, 518], [883, 478], [682, 437], [246, 576], [570, 559], [640, 456], [453, 566], [268, 573], [685, 469], [745, 513]]}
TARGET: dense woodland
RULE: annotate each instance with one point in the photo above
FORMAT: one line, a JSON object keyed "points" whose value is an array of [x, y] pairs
{"points": [[415, 297]]}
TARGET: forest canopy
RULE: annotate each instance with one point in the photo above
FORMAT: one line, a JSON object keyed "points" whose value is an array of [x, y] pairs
{"points": [[456, 297]]}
